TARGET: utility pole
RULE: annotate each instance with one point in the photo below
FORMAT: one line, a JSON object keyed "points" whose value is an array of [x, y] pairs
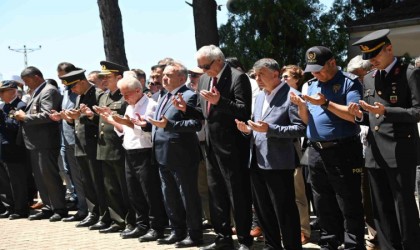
{"points": [[25, 52]]}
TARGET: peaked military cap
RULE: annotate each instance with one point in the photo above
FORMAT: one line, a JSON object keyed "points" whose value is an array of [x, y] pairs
{"points": [[372, 43], [70, 79], [8, 84], [316, 57], [110, 67]]}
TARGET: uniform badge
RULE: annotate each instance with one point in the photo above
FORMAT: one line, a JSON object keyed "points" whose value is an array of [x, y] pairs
{"points": [[379, 92], [336, 88], [397, 71], [393, 99]]}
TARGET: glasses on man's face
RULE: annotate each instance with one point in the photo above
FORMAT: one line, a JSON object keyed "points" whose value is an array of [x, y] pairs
{"points": [[206, 66], [193, 75], [285, 77]]}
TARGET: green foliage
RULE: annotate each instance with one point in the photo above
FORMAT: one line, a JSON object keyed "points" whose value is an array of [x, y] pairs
{"points": [[285, 29]]}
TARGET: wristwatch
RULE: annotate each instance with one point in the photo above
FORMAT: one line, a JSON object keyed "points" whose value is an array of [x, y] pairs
{"points": [[325, 104]]}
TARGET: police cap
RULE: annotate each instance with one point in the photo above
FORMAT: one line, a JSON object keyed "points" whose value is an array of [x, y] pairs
{"points": [[8, 84], [372, 43], [73, 77], [316, 57], [110, 67]]}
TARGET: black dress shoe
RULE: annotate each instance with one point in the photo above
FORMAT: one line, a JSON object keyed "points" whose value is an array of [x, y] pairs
{"points": [[135, 233], [5, 215], [171, 239], [188, 242], [219, 246], [17, 216], [114, 228], [99, 225], [128, 228], [152, 235], [57, 217], [75, 217], [40, 216], [88, 221]]}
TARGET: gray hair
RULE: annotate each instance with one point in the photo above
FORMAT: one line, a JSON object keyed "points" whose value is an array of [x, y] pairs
{"points": [[266, 63], [358, 63], [130, 82], [211, 52], [417, 62]]}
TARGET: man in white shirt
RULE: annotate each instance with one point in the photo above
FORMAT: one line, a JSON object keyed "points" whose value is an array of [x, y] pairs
{"points": [[143, 181]]}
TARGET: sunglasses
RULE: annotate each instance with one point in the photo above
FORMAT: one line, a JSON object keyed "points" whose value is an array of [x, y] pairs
{"points": [[206, 66], [194, 75]]}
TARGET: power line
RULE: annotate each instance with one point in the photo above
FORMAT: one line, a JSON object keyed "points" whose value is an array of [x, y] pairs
{"points": [[25, 52]]}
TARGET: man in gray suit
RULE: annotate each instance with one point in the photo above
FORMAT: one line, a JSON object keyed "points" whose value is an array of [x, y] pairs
{"points": [[42, 138], [274, 125]]}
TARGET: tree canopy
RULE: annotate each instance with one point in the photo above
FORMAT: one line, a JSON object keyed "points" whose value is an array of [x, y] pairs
{"points": [[285, 29]]}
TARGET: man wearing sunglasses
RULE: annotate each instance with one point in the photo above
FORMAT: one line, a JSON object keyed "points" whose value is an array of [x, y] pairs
{"points": [[225, 95]]}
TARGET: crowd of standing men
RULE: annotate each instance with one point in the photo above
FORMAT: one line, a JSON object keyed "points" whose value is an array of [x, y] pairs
{"points": [[135, 154]]}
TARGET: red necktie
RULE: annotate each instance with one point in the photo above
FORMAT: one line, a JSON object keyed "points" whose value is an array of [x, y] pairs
{"points": [[214, 82]]}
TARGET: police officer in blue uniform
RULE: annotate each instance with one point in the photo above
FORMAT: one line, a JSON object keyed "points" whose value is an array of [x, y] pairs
{"points": [[391, 108], [335, 153]]}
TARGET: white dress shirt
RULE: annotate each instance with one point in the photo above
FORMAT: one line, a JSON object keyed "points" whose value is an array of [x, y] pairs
{"points": [[136, 138]]}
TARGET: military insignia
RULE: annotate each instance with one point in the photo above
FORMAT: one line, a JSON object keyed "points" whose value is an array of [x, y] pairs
{"points": [[64, 82], [336, 88], [379, 92], [103, 67], [397, 71], [393, 99], [394, 88], [364, 48]]}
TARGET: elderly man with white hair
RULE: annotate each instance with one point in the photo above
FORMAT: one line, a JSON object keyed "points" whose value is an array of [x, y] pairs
{"points": [[143, 181]]}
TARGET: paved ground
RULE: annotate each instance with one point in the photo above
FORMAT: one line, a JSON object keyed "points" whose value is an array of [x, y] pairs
{"points": [[25, 234]]}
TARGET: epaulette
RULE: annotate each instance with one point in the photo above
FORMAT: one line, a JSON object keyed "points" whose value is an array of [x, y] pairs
{"points": [[351, 76], [310, 81]]}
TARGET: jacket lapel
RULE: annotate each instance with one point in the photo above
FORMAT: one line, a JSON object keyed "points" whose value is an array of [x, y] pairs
{"points": [[279, 96]]}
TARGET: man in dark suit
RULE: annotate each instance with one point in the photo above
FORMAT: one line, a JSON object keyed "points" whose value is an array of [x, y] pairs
{"points": [[176, 149], [42, 138], [14, 174], [85, 123], [111, 152], [391, 108], [225, 95], [275, 124]]}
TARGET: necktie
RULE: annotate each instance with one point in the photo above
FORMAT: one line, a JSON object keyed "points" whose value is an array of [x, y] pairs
{"points": [[383, 75], [163, 104], [213, 83]]}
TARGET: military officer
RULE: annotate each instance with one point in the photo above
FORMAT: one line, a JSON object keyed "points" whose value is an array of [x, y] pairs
{"points": [[110, 149], [391, 108], [85, 122], [13, 184]]}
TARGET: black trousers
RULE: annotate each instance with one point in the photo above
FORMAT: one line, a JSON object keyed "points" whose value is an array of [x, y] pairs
{"points": [[13, 181], [336, 184], [230, 190], [48, 180], [144, 189], [274, 201], [395, 211], [93, 186], [116, 192]]}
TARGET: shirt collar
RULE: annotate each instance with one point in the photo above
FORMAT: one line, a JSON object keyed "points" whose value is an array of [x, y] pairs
{"points": [[173, 92], [141, 101], [275, 90], [388, 69]]}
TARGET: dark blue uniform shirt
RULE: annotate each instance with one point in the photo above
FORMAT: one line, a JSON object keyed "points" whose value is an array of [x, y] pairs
{"points": [[323, 125]]}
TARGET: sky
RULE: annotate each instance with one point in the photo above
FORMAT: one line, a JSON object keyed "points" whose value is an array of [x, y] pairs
{"points": [[71, 31]]}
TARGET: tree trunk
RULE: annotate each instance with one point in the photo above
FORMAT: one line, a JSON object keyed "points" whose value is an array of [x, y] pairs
{"points": [[205, 22], [112, 31]]}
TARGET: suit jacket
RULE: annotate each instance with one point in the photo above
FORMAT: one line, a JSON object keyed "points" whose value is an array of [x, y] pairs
{"points": [[177, 144], [234, 103], [9, 127], [38, 130], [275, 148], [393, 137], [85, 129], [109, 143]]}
